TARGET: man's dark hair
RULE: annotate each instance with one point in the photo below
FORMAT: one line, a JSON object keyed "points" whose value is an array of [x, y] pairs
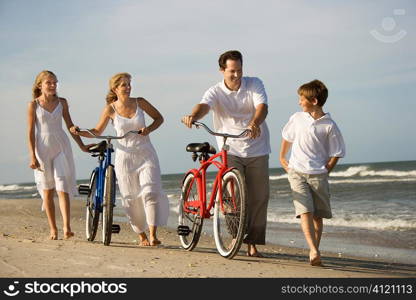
{"points": [[233, 55]]}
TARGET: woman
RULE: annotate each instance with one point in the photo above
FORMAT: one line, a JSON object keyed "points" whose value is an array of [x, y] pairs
{"points": [[136, 163], [50, 150]]}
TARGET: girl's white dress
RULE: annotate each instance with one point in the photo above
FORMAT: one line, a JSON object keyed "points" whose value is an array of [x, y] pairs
{"points": [[138, 175], [54, 153]]}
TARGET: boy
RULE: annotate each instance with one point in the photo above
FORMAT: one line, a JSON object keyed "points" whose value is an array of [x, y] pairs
{"points": [[317, 144]]}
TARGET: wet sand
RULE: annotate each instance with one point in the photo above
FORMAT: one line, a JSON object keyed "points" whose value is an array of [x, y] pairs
{"points": [[26, 252], [385, 245]]}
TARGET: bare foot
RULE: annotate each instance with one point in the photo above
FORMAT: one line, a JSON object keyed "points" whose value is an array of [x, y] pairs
{"points": [[315, 259], [233, 241], [316, 262], [155, 242], [143, 240], [68, 235], [144, 243], [252, 251], [53, 236]]}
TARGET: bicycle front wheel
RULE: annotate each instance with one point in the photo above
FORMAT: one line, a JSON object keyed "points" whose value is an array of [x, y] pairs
{"points": [[189, 214], [108, 204], [92, 214], [230, 214]]}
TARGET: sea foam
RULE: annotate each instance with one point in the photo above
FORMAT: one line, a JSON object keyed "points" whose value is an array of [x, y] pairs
{"points": [[356, 221], [15, 187], [365, 171]]}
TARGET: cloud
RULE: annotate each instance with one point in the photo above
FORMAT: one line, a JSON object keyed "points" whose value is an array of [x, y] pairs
{"points": [[171, 49]]}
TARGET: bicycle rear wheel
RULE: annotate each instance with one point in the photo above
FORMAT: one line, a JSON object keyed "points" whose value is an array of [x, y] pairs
{"points": [[108, 204], [230, 214], [92, 214], [189, 216]]}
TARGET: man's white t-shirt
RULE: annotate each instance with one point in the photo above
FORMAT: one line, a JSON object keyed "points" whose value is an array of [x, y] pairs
{"points": [[313, 142], [232, 113]]}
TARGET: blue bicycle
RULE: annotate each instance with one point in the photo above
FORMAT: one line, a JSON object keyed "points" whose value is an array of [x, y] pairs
{"points": [[101, 190]]}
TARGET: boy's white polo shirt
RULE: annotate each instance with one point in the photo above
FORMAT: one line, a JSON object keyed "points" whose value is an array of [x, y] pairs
{"points": [[232, 113], [313, 142]]}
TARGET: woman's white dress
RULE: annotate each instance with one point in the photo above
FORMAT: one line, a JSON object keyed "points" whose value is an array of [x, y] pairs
{"points": [[138, 175], [54, 153]]}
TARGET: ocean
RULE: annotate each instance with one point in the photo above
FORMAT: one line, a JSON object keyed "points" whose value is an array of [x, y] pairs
{"points": [[373, 205]]}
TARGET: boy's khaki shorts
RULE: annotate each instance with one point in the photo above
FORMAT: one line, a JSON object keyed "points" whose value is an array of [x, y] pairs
{"points": [[310, 193]]}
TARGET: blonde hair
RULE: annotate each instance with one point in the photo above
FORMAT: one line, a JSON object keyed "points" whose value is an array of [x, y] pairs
{"points": [[115, 82], [36, 90]]}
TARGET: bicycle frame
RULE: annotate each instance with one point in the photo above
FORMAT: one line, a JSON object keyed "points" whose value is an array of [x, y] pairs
{"points": [[104, 160], [200, 176]]}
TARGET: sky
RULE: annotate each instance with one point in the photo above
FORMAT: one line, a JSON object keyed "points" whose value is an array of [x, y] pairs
{"points": [[364, 51]]}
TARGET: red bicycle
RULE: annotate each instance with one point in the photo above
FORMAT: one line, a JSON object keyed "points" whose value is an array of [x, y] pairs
{"points": [[228, 198]]}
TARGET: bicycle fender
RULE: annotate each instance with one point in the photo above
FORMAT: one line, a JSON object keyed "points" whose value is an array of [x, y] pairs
{"points": [[106, 168], [229, 169], [109, 165], [192, 171], [93, 174]]}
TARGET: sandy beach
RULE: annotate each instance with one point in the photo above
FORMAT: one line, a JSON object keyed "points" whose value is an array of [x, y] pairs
{"points": [[26, 252]]}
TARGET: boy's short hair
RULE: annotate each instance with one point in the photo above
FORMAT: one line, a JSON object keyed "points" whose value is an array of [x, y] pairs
{"points": [[314, 90], [232, 54]]}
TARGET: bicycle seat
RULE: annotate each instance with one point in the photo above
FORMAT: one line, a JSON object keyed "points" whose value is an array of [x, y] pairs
{"points": [[99, 148], [201, 147]]}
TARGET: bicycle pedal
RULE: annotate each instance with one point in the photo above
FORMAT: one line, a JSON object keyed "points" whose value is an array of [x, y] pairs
{"points": [[84, 189], [183, 230], [115, 228]]}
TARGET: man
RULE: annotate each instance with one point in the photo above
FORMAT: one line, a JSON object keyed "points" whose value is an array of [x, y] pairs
{"points": [[238, 103]]}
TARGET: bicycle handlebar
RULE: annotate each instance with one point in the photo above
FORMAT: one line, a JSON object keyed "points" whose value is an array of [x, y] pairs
{"points": [[225, 135], [109, 137]]}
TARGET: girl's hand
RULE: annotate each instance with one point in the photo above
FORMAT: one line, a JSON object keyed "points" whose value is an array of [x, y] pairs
{"points": [[144, 131], [34, 164], [74, 129]]}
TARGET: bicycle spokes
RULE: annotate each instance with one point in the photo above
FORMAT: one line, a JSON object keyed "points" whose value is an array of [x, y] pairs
{"points": [[190, 221], [229, 215], [191, 204], [231, 203]]}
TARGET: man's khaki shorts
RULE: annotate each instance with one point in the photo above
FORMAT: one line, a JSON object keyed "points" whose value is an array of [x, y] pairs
{"points": [[310, 193]]}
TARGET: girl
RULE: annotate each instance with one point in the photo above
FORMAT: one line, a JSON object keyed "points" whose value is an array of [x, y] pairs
{"points": [[136, 162], [50, 150]]}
